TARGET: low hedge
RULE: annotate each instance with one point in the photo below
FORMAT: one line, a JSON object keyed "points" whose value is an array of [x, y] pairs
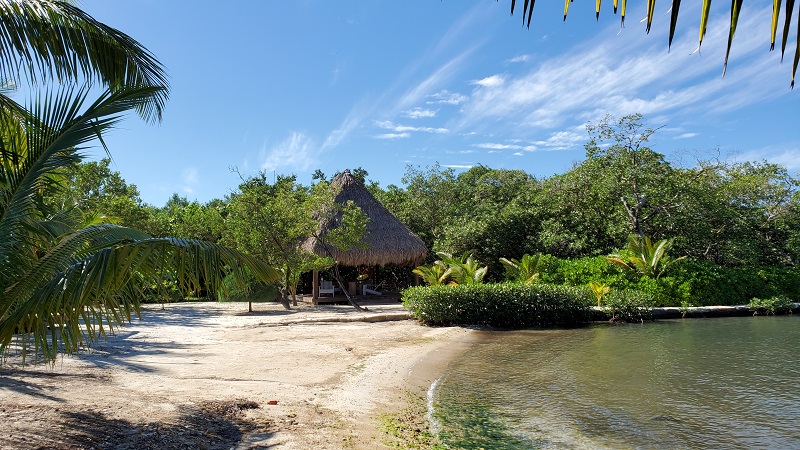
{"points": [[505, 305]]}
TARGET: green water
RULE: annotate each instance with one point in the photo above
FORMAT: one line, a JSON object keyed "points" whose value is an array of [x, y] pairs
{"points": [[700, 383]]}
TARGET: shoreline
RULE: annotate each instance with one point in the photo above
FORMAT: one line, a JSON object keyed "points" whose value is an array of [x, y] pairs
{"points": [[322, 379]]}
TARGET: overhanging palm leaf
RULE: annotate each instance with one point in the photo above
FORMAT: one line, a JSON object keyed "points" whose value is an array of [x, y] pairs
{"points": [[94, 279], [63, 291], [46, 40], [736, 6]]}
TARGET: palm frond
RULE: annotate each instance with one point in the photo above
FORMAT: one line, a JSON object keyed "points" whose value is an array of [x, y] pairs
{"points": [[94, 279], [736, 7], [46, 40]]}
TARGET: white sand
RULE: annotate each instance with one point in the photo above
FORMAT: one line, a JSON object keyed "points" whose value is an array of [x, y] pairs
{"points": [[331, 380]]}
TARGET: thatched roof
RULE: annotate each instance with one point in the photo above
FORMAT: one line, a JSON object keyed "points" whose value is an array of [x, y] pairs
{"points": [[390, 241]]}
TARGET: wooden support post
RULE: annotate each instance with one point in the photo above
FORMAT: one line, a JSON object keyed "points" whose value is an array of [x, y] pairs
{"points": [[315, 287]]}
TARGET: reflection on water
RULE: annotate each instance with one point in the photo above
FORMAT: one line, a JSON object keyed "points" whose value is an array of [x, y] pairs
{"points": [[714, 383]]}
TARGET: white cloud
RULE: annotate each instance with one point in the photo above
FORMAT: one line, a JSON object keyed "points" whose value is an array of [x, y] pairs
{"points": [[392, 136], [520, 58], [388, 125], [459, 166], [437, 78], [296, 152], [493, 146], [632, 73], [419, 113], [686, 136], [518, 154], [562, 140], [786, 157], [350, 123], [189, 178], [490, 82], [447, 98]]}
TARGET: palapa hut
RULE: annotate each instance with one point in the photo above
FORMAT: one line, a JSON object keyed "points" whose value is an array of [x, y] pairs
{"points": [[389, 240]]}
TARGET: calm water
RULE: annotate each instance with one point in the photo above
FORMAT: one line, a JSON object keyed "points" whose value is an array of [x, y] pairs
{"points": [[713, 383]]}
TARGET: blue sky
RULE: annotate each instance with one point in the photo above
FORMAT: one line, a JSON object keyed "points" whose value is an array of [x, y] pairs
{"points": [[294, 86]]}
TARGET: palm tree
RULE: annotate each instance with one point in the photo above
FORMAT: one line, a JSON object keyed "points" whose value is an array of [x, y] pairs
{"points": [[43, 41], [64, 286], [61, 287], [736, 6]]}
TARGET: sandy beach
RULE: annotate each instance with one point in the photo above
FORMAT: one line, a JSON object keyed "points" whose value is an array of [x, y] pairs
{"points": [[212, 375]]}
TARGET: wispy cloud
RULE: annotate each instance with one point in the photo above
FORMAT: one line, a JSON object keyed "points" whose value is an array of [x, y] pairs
{"points": [[459, 166], [631, 73], [419, 113], [392, 136], [442, 74], [445, 97], [189, 178], [455, 35], [520, 58], [786, 157], [686, 135], [353, 120], [296, 152], [389, 125], [491, 81], [496, 146]]}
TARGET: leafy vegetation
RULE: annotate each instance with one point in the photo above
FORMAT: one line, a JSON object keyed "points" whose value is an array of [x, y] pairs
{"points": [[628, 306], [771, 306], [599, 290], [507, 305], [525, 270], [647, 258]]}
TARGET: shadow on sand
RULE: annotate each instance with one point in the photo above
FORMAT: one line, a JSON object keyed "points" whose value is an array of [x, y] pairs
{"points": [[209, 425]]}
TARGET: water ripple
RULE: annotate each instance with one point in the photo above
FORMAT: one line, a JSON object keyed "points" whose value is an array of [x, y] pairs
{"points": [[716, 383]]}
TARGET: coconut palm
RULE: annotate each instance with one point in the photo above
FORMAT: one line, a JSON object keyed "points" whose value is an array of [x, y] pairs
{"points": [[61, 287], [736, 6], [45, 41]]}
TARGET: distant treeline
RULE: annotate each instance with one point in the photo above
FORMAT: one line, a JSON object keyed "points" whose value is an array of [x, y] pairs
{"points": [[731, 214]]}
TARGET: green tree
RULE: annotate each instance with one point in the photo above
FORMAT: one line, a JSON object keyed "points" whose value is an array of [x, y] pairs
{"points": [[92, 190], [271, 221]]}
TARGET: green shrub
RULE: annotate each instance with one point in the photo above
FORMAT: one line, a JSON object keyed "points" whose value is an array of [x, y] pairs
{"points": [[506, 305], [771, 306], [694, 281], [628, 306]]}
